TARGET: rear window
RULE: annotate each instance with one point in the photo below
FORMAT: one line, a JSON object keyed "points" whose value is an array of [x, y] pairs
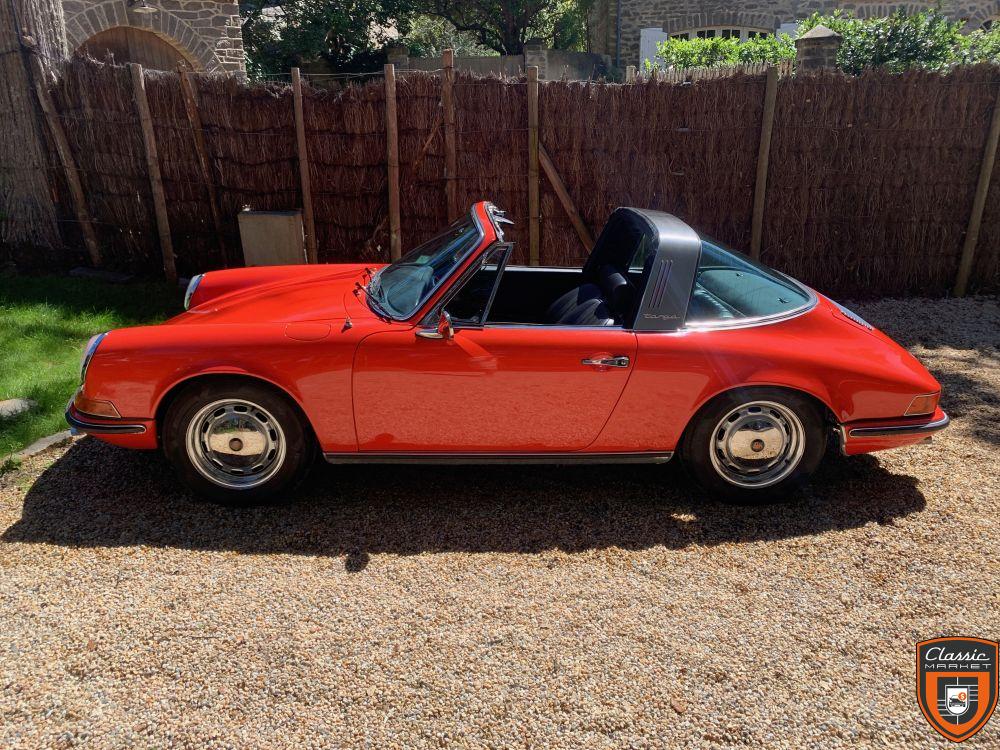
{"points": [[729, 287]]}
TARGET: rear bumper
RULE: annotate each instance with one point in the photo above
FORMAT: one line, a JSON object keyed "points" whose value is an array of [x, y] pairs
{"points": [[881, 435]]}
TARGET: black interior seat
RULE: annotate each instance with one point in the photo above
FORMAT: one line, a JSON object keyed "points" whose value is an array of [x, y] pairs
{"points": [[706, 306], [583, 306], [602, 304]]}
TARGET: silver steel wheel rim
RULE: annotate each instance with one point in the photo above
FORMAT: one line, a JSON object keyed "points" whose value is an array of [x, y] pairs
{"points": [[757, 444], [235, 444]]}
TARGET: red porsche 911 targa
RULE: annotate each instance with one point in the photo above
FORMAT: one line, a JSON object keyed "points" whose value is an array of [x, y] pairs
{"points": [[664, 343]]}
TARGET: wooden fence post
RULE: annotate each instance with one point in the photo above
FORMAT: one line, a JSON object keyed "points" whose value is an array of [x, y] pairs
{"points": [[979, 203], [312, 253], [763, 162], [392, 161], [630, 74], [67, 161], [155, 178], [194, 119], [567, 203], [450, 155], [534, 234]]}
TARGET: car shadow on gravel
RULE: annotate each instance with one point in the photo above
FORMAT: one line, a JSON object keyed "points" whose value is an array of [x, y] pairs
{"points": [[98, 496]]}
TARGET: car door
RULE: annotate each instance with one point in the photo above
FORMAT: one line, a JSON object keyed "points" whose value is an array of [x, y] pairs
{"points": [[497, 388]]}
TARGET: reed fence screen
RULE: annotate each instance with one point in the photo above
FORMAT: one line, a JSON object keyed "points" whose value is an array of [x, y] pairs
{"points": [[870, 180]]}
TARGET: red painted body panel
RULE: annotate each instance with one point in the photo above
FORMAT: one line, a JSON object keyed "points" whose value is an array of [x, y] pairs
{"points": [[517, 389], [856, 373], [370, 384]]}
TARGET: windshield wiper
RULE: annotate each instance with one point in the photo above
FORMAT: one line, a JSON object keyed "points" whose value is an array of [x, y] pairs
{"points": [[373, 293]]}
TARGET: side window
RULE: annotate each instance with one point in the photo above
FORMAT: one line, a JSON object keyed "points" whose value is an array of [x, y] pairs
{"points": [[470, 306]]}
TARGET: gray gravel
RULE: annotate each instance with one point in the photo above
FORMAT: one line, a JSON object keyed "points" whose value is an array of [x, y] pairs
{"points": [[493, 607]]}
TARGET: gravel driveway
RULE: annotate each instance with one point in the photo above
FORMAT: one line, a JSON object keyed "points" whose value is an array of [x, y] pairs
{"points": [[507, 607]]}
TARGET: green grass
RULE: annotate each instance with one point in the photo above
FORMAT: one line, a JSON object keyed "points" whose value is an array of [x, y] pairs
{"points": [[44, 323]]}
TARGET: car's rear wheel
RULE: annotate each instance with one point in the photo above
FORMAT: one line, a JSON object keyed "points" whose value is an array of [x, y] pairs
{"points": [[237, 442], [755, 444]]}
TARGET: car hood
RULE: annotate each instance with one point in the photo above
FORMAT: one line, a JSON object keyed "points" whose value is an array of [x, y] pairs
{"points": [[261, 295]]}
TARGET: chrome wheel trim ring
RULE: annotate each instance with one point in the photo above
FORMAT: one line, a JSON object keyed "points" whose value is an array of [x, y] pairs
{"points": [[757, 444], [235, 444]]}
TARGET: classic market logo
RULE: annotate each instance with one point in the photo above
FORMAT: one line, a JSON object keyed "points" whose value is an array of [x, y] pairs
{"points": [[957, 684]]}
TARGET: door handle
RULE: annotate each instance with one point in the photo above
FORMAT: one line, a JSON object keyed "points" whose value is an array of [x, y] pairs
{"points": [[620, 361]]}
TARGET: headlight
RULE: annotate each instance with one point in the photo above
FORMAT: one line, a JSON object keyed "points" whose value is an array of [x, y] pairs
{"points": [[88, 353], [192, 286]]}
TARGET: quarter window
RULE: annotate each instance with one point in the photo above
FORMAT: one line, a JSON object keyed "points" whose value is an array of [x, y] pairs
{"points": [[729, 286]]}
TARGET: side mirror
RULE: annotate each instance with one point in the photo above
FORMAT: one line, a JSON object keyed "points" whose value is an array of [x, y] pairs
{"points": [[444, 329]]}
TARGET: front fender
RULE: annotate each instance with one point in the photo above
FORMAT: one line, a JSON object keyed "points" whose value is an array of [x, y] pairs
{"points": [[137, 368]]}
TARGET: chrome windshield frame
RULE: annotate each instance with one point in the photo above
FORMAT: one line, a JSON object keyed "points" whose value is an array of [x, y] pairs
{"points": [[419, 310]]}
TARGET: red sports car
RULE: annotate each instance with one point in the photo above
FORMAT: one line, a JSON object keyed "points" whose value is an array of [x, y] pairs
{"points": [[664, 342]]}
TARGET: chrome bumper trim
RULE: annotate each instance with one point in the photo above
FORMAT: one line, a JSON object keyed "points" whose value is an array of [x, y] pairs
{"points": [[906, 429], [498, 458], [78, 426]]}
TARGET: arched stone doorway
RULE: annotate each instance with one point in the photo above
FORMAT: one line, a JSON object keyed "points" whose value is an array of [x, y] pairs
{"points": [[128, 44]]}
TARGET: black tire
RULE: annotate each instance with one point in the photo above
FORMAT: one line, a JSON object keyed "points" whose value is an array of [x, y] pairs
{"points": [[713, 452], [281, 445]]}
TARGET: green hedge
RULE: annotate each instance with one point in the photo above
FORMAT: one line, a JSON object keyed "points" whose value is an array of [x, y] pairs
{"points": [[897, 42]]}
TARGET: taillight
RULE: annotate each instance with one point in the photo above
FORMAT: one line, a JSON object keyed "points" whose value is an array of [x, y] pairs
{"points": [[921, 405]]}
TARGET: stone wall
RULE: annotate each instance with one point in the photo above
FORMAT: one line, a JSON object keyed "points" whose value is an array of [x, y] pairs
{"points": [[208, 34], [678, 15], [552, 64]]}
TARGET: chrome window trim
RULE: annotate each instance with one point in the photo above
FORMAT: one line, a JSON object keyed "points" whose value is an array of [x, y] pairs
{"points": [[761, 320], [754, 322], [430, 318]]}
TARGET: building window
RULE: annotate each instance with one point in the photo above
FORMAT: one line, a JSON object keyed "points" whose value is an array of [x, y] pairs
{"points": [[725, 32]]}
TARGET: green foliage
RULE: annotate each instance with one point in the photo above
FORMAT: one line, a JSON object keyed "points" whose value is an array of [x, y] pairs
{"points": [[897, 42], [505, 25], [350, 35], [984, 46], [335, 35], [569, 24], [44, 323], [429, 36], [706, 53]]}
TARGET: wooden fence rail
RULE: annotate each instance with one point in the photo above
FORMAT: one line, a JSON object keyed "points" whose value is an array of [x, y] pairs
{"points": [[873, 185]]}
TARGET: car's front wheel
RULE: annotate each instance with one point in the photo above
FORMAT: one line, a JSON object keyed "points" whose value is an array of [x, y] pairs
{"points": [[755, 444], [236, 442]]}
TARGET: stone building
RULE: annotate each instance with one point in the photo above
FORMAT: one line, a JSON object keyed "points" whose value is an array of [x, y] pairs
{"points": [[628, 30], [162, 34]]}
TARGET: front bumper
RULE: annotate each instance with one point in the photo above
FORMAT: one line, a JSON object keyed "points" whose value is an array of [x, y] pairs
{"points": [[80, 424], [138, 434], [868, 436]]}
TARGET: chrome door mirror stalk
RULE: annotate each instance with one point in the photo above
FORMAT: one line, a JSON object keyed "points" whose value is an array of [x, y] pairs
{"points": [[444, 330]]}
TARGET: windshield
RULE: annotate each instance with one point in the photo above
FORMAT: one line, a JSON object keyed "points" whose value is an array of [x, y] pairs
{"points": [[729, 287], [402, 288]]}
